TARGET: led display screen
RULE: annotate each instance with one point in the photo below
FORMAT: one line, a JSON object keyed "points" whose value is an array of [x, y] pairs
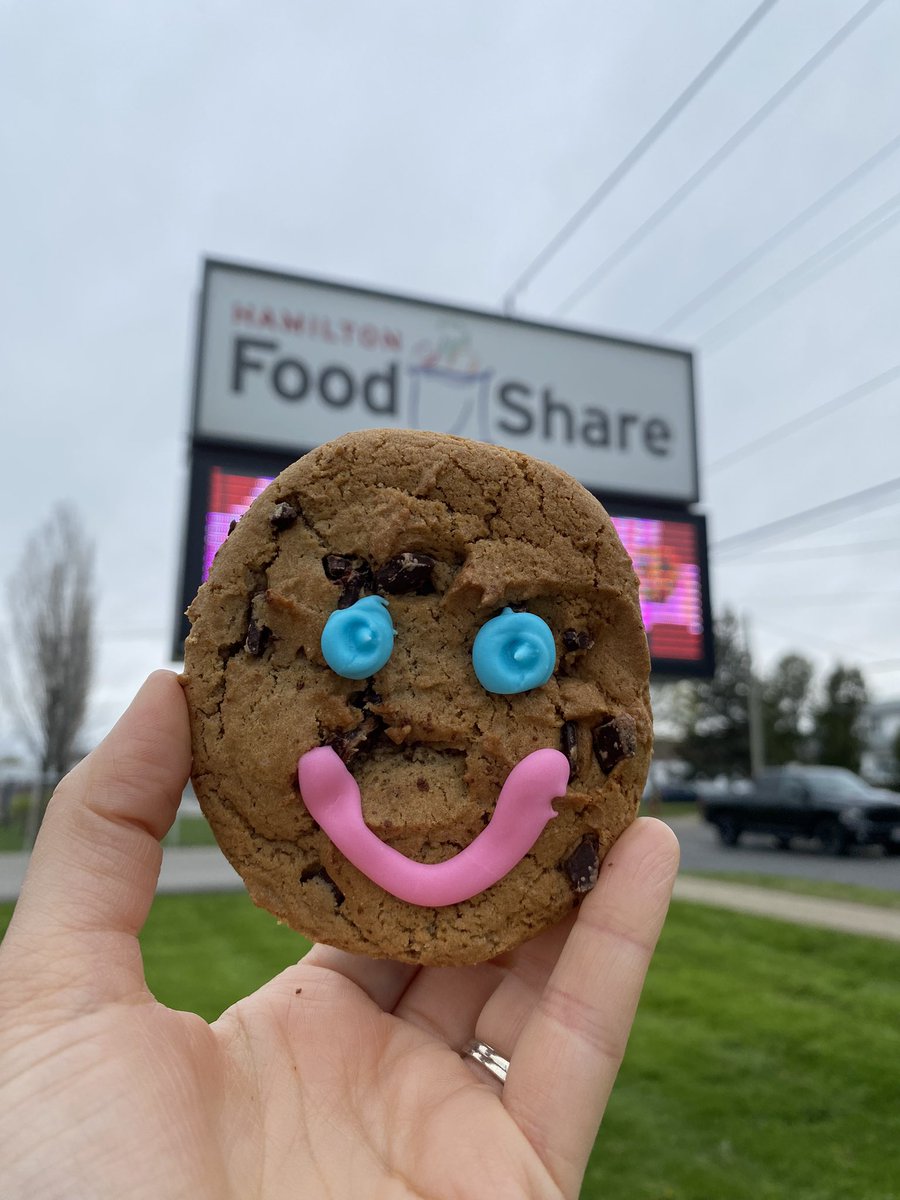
{"points": [[666, 556], [230, 495], [668, 551]]}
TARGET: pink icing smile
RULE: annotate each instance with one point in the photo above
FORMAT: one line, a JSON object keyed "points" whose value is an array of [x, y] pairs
{"points": [[523, 808]]}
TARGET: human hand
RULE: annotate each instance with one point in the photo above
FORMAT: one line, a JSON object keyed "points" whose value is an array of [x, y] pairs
{"points": [[341, 1077]]}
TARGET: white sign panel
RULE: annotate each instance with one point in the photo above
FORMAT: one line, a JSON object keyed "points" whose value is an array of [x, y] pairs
{"points": [[289, 363]]}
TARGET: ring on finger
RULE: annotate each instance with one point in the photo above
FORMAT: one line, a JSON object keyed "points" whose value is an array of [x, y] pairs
{"points": [[487, 1057]]}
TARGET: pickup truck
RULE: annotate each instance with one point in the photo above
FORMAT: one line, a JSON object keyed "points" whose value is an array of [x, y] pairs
{"points": [[828, 803]]}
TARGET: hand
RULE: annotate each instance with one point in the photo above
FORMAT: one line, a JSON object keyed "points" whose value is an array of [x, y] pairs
{"points": [[339, 1078]]}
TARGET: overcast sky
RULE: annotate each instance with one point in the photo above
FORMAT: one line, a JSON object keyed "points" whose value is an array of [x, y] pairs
{"points": [[435, 148]]}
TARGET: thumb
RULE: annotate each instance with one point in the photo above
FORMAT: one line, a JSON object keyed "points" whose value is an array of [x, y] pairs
{"points": [[97, 857]]}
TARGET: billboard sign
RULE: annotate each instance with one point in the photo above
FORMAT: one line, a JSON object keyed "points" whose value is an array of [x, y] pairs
{"points": [[288, 363]]}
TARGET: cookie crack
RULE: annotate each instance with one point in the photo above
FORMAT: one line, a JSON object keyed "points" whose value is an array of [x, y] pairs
{"points": [[478, 488], [279, 845], [306, 522]]}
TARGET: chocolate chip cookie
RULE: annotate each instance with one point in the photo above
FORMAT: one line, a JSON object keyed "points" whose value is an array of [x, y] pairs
{"points": [[418, 685]]}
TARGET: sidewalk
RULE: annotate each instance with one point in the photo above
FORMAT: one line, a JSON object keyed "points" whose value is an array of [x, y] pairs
{"points": [[846, 916], [184, 869]]}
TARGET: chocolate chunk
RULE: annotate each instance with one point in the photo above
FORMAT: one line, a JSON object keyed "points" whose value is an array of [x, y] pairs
{"points": [[364, 698], [354, 575], [407, 572], [568, 743], [577, 639], [337, 567], [358, 581], [283, 515], [257, 638], [614, 740], [363, 737], [231, 527], [321, 873], [583, 864]]}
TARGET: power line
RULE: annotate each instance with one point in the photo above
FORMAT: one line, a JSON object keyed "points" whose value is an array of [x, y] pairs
{"points": [[789, 557], [792, 226], [828, 643], [669, 205], [824, 598], [635, 154], [864, 500], [829, 256], [808, 418]]}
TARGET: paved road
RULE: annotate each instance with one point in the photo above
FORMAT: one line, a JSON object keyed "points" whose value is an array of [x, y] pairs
{"points": [[702, 851]]}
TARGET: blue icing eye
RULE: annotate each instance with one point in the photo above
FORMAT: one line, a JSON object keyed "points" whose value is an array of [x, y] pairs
{"points": [[514, 652], [357, 641]]}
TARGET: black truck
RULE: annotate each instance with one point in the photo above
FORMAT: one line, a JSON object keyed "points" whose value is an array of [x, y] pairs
{"points": [[828, 803]]}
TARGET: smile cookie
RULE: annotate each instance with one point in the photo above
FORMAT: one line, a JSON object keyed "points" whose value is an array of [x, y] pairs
{"points": [[418, 684]]}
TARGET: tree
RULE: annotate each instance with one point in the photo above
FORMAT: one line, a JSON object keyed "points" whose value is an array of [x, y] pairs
{"points": [[838, 719], [47, 676], [714, 714], [785, 709]]}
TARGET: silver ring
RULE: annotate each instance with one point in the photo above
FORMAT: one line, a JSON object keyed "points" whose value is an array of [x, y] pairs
{"points": [[488, 1057]]}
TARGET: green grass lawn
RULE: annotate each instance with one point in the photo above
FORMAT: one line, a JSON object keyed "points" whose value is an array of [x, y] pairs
{"points": [[827, 888], [204, 952], [763, 1065], [12, 836]]}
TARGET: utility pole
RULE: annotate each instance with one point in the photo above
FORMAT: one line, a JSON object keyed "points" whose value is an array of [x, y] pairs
{"points": [[754, 708]]}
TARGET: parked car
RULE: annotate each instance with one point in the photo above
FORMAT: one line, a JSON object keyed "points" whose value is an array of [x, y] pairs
{"points": [[828, 803], [679, 793]]}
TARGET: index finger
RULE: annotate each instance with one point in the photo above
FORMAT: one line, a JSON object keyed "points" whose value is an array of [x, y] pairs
{"points": [[568, 1054]]}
